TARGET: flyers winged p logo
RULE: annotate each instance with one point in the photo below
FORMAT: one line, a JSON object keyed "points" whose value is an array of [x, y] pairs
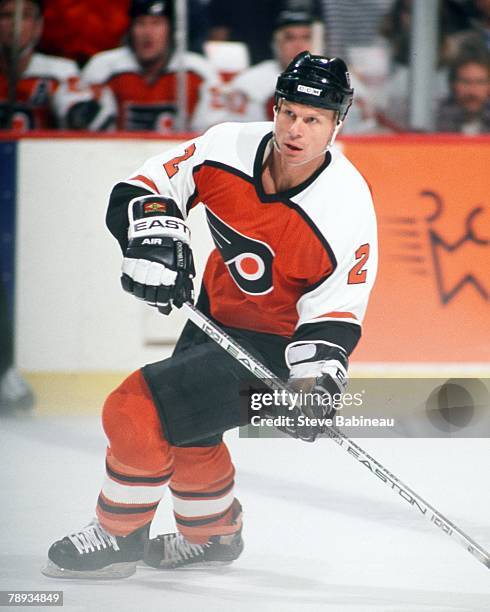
{"points": [[249, 261]]}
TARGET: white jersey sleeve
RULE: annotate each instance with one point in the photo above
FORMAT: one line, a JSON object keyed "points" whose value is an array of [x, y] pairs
{"points": [[57, 68], [102, 66], [171, 173]]}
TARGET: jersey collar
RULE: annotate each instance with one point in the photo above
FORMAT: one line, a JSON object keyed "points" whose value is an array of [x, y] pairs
{"points": [[283, 195]]}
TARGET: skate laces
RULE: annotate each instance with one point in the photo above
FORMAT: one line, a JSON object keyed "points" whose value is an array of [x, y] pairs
{"points": [[176, 547], [92, 537]]}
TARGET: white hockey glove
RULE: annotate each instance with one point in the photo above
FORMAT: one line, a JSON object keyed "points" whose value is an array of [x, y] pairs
{"points": [[158, 266], [319, 369]]}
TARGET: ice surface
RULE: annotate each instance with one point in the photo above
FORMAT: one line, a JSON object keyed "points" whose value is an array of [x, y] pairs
{"points": [[321, 533]]}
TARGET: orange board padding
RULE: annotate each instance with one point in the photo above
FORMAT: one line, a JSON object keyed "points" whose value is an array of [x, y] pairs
{"points": [[431, 299]]}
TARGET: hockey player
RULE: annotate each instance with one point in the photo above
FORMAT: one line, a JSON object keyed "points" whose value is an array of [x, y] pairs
{"points": [[250, 95], [295, 260], [34, 78], [142, 75]]}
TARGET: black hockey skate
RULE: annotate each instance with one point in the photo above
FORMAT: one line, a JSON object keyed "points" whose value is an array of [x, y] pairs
{"points": [[93, 553], [172, 550]]}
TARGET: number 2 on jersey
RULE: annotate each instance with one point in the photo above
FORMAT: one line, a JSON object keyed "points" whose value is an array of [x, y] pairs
{"points": [[172, 166], [357, 274]]}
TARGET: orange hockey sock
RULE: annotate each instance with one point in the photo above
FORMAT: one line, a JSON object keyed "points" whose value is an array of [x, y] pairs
{"points": [[139, 461], [203, 492]]}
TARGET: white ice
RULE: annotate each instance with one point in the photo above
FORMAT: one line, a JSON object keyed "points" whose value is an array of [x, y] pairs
{"points": [[321, 533]]}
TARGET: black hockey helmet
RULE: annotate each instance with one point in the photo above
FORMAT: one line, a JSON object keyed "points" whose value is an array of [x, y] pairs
{"points": [[151, 7], [317, 81], [287, 18]]}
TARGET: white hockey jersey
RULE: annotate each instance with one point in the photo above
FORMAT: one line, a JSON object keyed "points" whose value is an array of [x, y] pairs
{"points": [[144, 105], [36, 91], [250, 97], [308, 255]]}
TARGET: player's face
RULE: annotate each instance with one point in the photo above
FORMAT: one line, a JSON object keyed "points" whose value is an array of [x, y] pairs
{"points": [[303, 132], [472, 87], [30, 28], [150, 36], [291, 40]]}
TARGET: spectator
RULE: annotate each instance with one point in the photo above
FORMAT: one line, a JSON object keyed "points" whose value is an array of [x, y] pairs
{"points": [[28, 80], [467, 110], [142, 75], [251, 22], [393, 100], [250, 95], [352, 24], [454, 18], [476, 38]]}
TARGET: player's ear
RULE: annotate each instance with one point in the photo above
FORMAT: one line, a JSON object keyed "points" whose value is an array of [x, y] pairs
{"points": [[277, 106]]}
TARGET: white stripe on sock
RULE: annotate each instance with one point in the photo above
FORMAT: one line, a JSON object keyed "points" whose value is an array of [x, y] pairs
{"points": [[202, 507], [134, 494]]}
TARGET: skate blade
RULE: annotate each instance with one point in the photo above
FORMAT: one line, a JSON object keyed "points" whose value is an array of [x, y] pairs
{"points": [[111, 572], [188, 566]]}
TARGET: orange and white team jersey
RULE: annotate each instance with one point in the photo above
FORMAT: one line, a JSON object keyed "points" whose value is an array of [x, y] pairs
{"points": [[304, 256], [35, 93], [145, 105], [250, 97]]}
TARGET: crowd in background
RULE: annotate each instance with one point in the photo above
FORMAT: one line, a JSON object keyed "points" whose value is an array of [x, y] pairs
{"points": [[105, 66]]}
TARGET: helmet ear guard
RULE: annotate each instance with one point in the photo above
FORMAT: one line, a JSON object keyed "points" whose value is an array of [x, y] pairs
{"points": [[316, 81]]}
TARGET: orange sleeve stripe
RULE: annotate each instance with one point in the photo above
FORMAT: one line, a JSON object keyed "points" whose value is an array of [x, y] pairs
{"points": [[338, 315], [145, 180]]}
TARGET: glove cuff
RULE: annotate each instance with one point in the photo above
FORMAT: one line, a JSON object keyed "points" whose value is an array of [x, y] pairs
{"points": [[155, 215], [315, 351]]}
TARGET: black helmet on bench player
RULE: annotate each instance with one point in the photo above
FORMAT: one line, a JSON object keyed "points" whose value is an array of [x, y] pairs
{"points": [[157, 8], [317, 81]]}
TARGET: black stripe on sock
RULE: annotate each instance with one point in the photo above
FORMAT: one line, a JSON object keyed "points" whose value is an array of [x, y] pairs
{"points": [[200, 522], [126, 509], [138, 479], [194, 494]]}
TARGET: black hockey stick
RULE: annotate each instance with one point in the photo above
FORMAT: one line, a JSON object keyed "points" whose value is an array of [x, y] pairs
{"points": [[352, 448]]}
